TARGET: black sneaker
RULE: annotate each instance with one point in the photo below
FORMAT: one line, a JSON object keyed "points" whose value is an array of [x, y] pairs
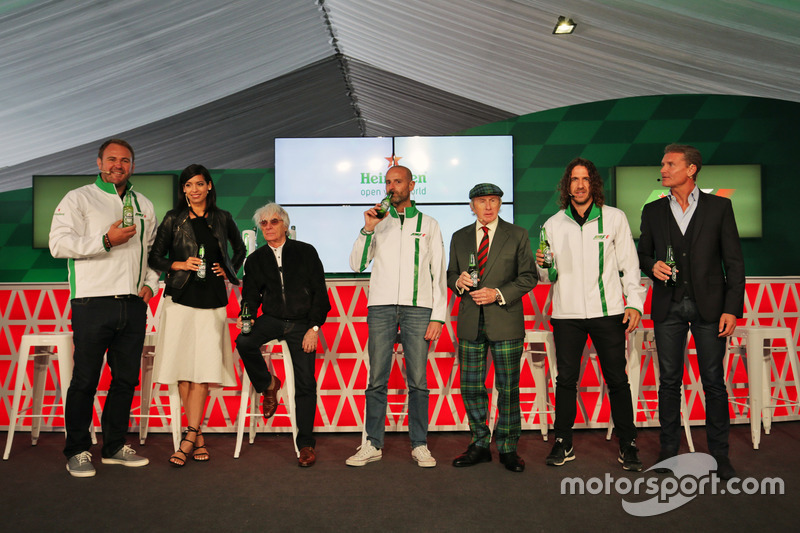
{"points": [[629, 457], [561, 453]]}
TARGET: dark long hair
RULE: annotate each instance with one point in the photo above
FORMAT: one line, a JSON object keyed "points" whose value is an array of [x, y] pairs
{"points": [[187, 174], [595, 182]]}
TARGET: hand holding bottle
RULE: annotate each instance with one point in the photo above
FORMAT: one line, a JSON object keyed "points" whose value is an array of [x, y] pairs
{"points": [[120, 235]]}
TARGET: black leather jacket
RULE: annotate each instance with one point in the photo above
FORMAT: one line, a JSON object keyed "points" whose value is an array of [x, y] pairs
{"points": [[175, 237]]}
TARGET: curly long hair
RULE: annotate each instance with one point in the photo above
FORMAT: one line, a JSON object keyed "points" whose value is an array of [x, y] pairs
{"points": [[596, 182]]}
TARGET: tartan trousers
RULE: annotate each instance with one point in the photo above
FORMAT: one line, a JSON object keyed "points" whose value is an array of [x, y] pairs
{"points": [[472, 366]]}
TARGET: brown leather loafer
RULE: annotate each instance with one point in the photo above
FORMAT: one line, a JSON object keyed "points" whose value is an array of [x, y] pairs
{"points": [[307, 457], [269, 402]]}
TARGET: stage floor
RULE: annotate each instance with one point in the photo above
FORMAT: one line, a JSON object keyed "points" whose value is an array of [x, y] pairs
{"points": [[264, 489]]}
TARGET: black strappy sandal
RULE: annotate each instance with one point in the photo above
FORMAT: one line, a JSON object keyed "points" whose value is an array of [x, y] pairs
{"points": [[202, 456], [173, 460]]}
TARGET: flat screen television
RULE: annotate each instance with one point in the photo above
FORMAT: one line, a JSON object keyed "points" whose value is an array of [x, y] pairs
{"points": [[326, 184], [637, 186], [349, 170], [49, 190]]}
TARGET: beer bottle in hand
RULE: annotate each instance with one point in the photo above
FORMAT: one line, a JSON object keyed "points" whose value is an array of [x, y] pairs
{"points": [[472, 270], [544, 247], [201, 271], [247, 327], [386, 204], [127, 211], [672, 280]]}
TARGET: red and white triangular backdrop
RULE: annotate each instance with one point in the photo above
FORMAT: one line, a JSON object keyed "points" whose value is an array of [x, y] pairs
{"points": [[341, 370]]}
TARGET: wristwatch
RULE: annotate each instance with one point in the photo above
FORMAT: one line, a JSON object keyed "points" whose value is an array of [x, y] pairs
{"points": [[315, 328], [497, 296]]}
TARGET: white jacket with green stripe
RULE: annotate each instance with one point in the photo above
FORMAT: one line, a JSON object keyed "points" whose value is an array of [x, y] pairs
{"points": [[595, 265], [81, 219], [409, 264]]}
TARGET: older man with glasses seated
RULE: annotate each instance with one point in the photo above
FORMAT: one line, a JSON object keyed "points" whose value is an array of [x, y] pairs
{"points": [[286, 279]]}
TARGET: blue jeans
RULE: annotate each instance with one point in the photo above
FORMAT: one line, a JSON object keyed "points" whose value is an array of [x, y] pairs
{"points": [[101, 325], [383, 321], [671, 346]]}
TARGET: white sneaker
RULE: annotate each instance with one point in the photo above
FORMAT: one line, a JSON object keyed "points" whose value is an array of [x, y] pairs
{"points": [[126, 456], [366, 454], [423, 457]]}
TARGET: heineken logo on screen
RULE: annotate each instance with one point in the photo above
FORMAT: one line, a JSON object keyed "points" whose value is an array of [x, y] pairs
{"points": [[368, 178]]}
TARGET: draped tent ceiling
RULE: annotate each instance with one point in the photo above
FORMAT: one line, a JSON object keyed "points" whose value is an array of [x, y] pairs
{"points": [[215, 82]]}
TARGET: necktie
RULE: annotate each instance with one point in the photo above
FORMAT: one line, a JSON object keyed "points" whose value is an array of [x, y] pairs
{"points": [[483, 252]]}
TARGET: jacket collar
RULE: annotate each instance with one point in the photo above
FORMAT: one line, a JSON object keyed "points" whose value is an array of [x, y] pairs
{"points": [[109, 187], [410, 211]]}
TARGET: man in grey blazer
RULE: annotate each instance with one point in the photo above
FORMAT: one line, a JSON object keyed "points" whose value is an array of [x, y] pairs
{"points": [[490, 315], [707, 297]]}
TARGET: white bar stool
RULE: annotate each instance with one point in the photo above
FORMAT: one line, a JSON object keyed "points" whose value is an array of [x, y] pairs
{"points": [[44, 346], [249, 397], [394, 414], [174, 416], [757, 347], [646, 337]]}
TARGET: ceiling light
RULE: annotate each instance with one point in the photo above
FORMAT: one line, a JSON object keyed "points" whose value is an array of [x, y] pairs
{"points": [[564, 26]]}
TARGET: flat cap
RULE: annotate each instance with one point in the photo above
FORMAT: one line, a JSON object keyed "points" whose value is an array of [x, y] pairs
{"points": [[485, 189]]}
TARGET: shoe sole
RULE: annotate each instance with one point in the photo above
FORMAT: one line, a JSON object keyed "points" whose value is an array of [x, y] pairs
{"points": [[80, 473], [426, 464], [552, 462], [123, 462], [363, 462], [631, 468]]}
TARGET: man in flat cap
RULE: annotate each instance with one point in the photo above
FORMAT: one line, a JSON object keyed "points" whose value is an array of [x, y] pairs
{"points": [[490, 315]]}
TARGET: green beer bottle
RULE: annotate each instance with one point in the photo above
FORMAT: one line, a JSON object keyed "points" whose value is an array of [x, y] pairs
{"points": [[544, 247], [472, 270], [247, 327], [672, 280], [127, 211], [386, 204], [201, 271]]}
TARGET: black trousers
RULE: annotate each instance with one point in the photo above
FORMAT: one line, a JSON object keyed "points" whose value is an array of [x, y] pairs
{"points": [[115, 328], [265, 329], [608, 336]]}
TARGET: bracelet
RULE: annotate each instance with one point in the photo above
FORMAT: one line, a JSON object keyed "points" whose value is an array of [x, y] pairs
{"points": [[365, 232], [106, 242]]}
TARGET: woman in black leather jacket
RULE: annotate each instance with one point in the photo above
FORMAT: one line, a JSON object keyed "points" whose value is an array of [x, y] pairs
{"points": [[194, 345]]}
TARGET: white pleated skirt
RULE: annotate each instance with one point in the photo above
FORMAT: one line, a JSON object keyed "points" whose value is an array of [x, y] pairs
{"points": [[193, 345]]}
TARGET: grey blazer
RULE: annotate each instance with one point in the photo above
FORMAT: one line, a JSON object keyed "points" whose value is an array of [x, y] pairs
{"points": [[509, 267]]}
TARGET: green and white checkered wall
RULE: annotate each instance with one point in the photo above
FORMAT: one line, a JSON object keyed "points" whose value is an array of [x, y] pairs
{"points": [[625, 132]]}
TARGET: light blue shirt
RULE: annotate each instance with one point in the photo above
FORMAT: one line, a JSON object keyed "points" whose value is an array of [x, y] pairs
{"points": [[683, 218]]}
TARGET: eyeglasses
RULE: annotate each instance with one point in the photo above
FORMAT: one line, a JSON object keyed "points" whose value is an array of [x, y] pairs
{"points": [[273, 222]]}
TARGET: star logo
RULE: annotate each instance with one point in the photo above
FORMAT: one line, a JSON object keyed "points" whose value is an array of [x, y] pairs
{"points": [[393, 161]]}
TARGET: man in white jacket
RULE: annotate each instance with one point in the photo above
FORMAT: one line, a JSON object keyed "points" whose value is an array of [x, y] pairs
{"points": [[407, 290], [595, 265], [110, 285]]}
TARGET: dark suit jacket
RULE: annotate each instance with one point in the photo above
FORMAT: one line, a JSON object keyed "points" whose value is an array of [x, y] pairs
{"points": [[303, 279], [715, 244], [509, 267]]}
